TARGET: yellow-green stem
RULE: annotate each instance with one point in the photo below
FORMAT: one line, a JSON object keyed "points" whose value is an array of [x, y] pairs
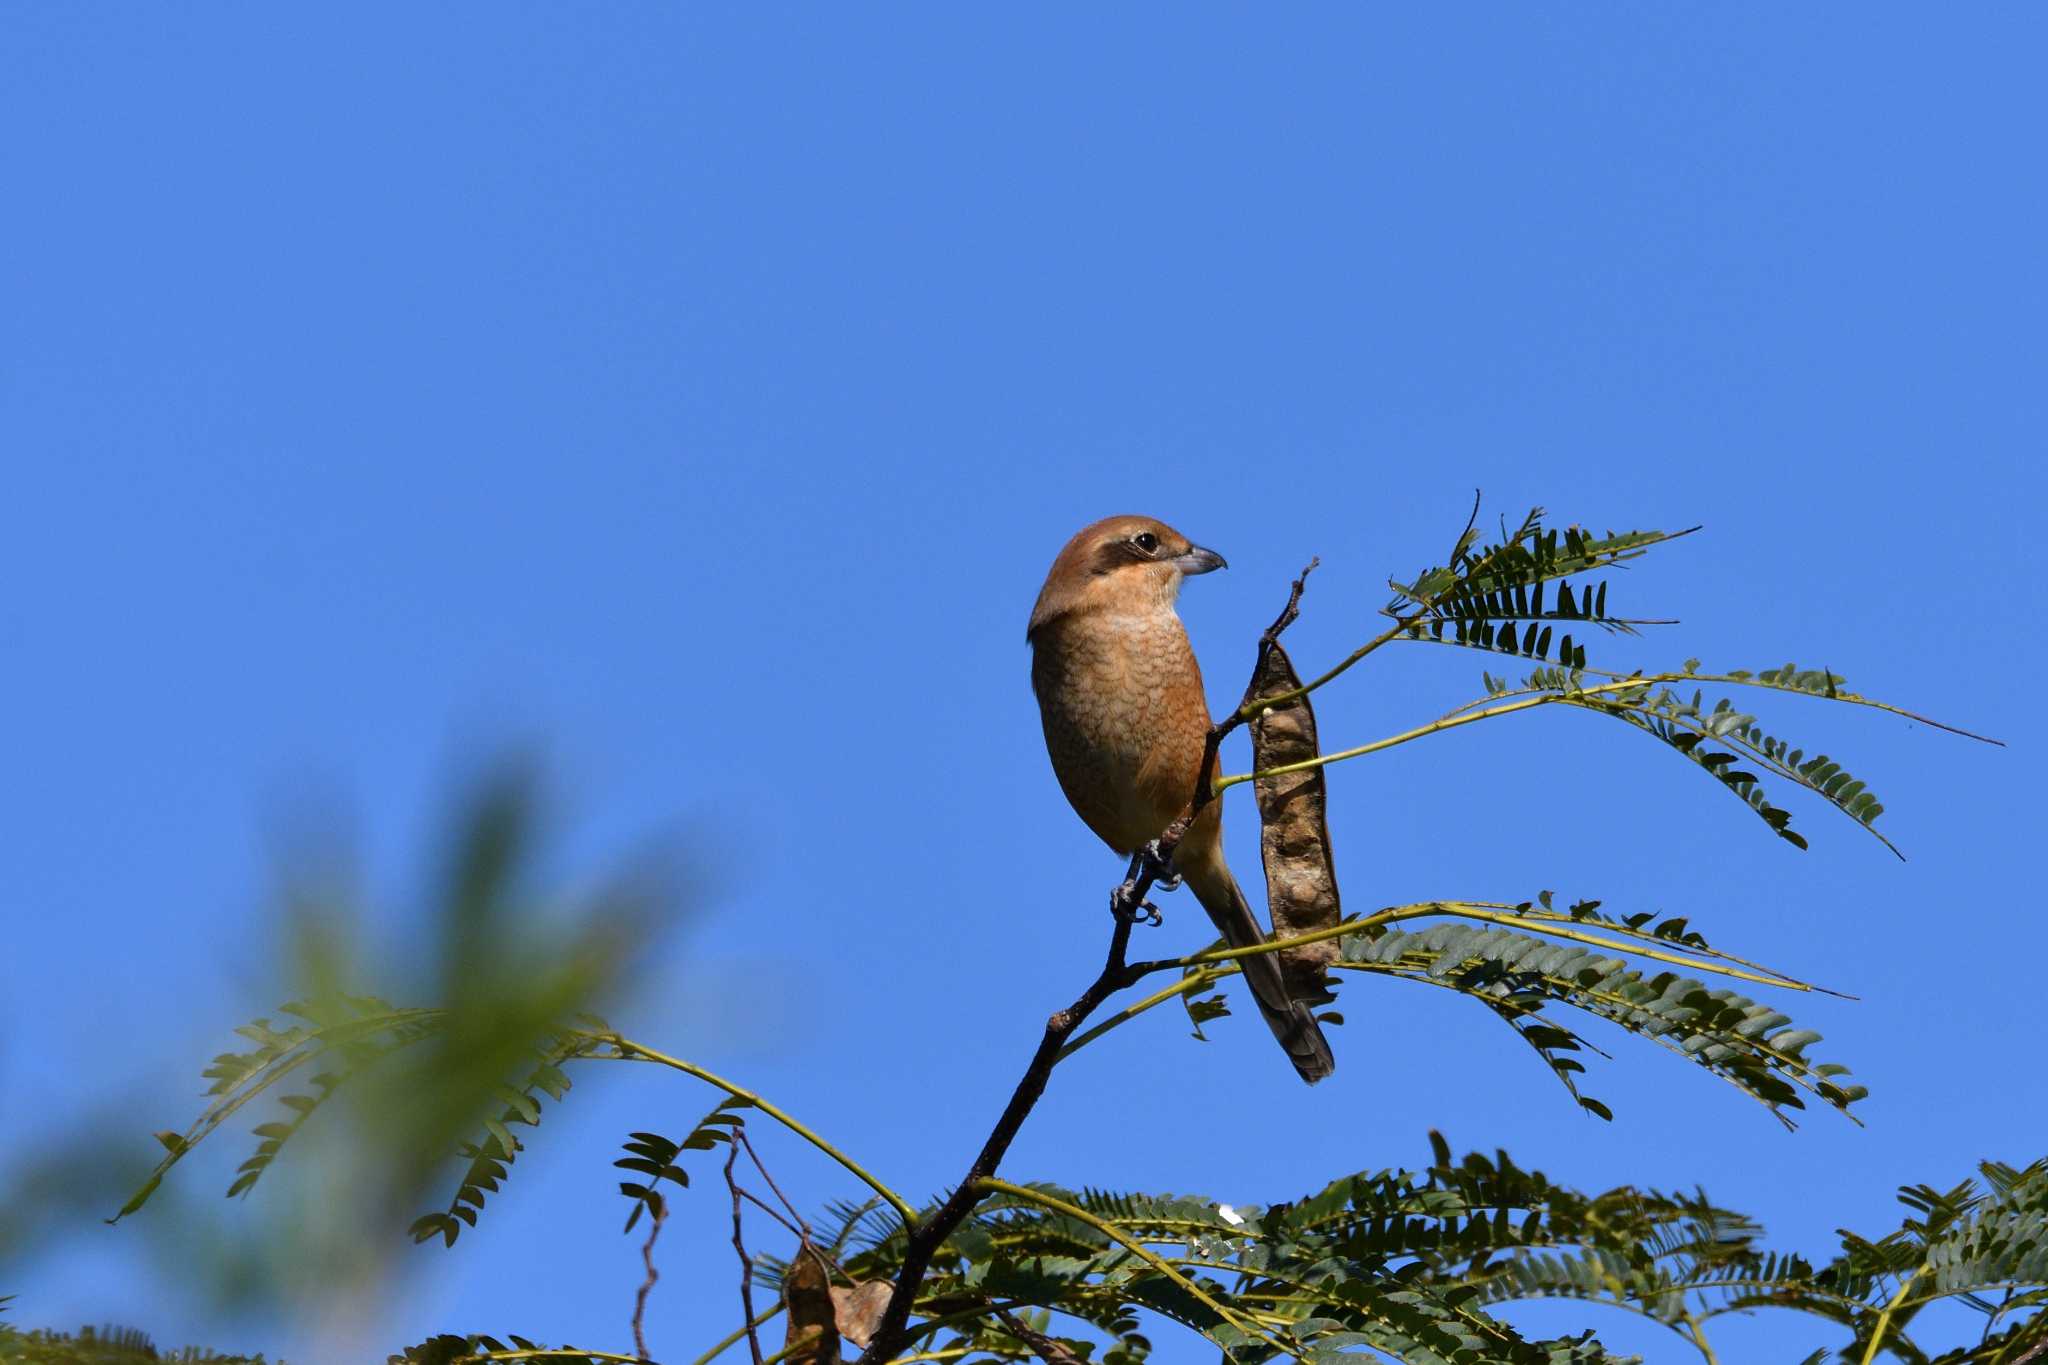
{"points": [[1158, 997], [1221, 958], [1253, 707], [1136, 1248], [1699, 1338], [631, 1050], [1466, 910], [1474, 911], [1434, 727], [1884, 1316]]}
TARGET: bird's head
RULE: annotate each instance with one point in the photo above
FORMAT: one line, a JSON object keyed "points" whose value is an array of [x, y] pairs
{"points": [[1120, 564]]}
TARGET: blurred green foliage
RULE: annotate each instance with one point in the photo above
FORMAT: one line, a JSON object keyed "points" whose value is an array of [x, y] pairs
{"points": [[403, 1096], [102, 1346]]}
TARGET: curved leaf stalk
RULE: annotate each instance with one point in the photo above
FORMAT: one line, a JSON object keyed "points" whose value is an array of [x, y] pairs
{"points": [[1668, 932], [1194, 980], [1616, 1293], [1508, 917], [1615, 1009], [1693, 954], [1524, 915], [1757, 1035], [1645, 700], [1711, 1029], [630, 1051], [1818, 683], [1510, 959], [1685, 727], [1142, 1252], [1391, 633], [1179, 988], [239, 1078], [1491, 707], [1437, 726]]}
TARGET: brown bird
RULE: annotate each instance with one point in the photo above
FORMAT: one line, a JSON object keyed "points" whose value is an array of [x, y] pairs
{"points": [[1126, 722]]}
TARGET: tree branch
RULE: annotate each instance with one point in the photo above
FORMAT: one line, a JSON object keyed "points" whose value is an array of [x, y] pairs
{"points": [[1048, 1350], [926, 1236]]}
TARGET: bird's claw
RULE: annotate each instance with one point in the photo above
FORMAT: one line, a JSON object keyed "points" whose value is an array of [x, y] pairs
{"points": [[1149, 870], [1125, 906], [1151, 860]]}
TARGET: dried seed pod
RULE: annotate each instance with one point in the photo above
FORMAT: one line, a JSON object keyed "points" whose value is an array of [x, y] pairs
{"points": [[1294, 833], [813, 1335]]}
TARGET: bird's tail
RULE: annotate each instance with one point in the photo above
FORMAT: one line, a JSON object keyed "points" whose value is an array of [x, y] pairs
{"points": [[1291, 1021]]}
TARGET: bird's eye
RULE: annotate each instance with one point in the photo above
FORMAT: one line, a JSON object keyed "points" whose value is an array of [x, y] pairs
{"points": [[1145, 541]]}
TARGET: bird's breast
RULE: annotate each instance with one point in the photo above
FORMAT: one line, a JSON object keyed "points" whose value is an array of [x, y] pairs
{"points": [[1125, 718]]}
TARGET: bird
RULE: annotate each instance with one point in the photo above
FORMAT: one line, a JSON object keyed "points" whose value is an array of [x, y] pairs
{"points": [[1126, 726]]}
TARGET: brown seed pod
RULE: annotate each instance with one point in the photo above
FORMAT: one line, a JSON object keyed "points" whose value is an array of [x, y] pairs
{"points": [[1294, 833], [813, 1327]]}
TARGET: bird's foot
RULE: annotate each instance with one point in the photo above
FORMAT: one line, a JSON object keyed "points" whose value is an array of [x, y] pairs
{"points": [[1150, 859], [1148, 870], [1126, 906]]}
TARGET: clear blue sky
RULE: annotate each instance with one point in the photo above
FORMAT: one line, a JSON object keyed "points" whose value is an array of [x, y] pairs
{"points": [[699, 393]]}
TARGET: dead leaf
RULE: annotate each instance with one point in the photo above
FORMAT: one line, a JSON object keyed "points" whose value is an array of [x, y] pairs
{"points": [[859, 1309]]}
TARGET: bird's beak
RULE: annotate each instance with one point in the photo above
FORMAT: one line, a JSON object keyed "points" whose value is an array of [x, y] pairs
{"points": [[1198, 560]]}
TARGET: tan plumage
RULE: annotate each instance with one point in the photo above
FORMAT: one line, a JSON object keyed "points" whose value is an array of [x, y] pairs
{"points": [[1126, 720]]}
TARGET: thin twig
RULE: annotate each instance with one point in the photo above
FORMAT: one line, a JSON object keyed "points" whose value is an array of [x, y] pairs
{"points": [[660, 1211], [1048, 1350], [802, 1229], [746, 1262], [758, 1202], [795, 1222], [1246, 708]]}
